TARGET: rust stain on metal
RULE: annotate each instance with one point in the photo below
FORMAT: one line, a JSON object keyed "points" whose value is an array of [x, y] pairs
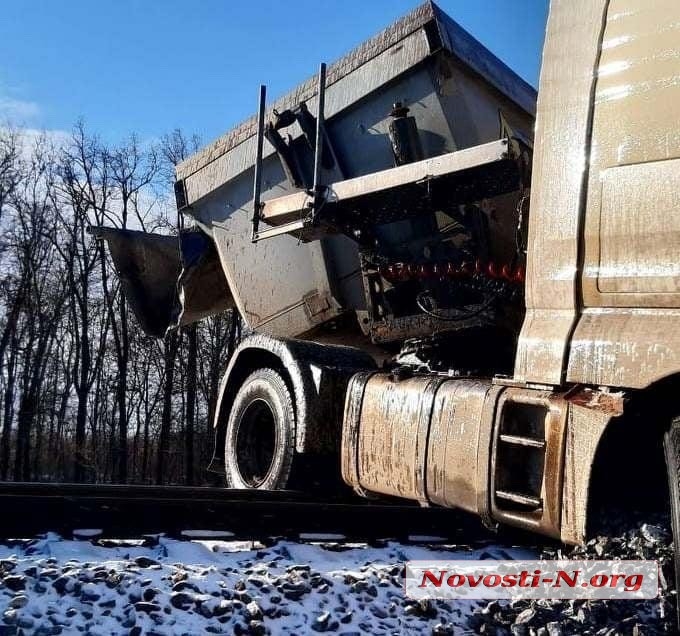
{"points": [[608, 403]]}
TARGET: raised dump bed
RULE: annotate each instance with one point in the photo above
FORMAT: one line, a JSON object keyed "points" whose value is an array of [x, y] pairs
{"points": [[459, 96]]}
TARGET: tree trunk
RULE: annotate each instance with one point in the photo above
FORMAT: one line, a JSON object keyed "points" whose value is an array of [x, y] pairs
{"points": [[81, 413], [123, 356], [171, 344], [8, 415], [191, 404]]}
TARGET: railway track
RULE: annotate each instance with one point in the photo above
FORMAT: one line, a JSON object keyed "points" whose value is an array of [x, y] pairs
{"points": [[132, 511], [122, 512]]}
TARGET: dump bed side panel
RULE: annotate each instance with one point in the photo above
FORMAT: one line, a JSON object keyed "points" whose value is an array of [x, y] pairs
{"points": [[286, 288]]}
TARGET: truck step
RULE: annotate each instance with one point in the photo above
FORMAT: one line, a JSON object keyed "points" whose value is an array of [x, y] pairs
{"points": [[519, 440], [518, 498]]}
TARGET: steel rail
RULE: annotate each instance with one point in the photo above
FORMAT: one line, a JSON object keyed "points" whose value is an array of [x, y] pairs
{"points": [[29, 509]]}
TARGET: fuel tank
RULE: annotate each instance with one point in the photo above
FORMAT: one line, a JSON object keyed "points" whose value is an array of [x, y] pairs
{"points": [[425, 438], [511, 454]]}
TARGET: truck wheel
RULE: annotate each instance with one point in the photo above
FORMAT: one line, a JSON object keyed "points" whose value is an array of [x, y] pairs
{"points": [[260, 436], [671, 445]]}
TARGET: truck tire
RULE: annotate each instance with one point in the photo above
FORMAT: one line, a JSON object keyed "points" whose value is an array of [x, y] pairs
{"points": [[260, 436], [671, 445]]}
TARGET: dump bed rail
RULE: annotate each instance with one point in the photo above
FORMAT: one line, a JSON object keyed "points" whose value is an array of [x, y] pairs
{"points": [[390, 195]]}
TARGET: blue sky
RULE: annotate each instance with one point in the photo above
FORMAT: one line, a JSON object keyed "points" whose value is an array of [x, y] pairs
{"points": [[151, 66]]}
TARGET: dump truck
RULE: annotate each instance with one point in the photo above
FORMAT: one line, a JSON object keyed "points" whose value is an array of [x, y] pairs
{"points": [[458, 291]]}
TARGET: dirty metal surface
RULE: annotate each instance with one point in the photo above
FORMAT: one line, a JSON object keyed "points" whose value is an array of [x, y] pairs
{"points": [[418, 438], [399, 328], [148, 266], [570, 54], [590, 412], [270, 280], [455, 435], [615, 102], [349, 458], [167, 280], [628, 334], [394, 425], [464, 442], [391, 195], [454, 107], [625, 347], [632, 209], [546, 475]]}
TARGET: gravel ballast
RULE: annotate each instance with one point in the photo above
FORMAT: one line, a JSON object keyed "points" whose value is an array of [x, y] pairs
{"points": [[51, 586]]}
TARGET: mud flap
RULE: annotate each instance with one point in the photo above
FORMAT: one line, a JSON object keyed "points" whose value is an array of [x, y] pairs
{"points": [[168, 281]]}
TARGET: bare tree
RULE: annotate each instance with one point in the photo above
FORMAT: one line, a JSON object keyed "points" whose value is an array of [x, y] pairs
{"points": [[83, 393], [132, 172], [175, 147], [11, 166], [37, 304], [84, 189], [171, 345]]}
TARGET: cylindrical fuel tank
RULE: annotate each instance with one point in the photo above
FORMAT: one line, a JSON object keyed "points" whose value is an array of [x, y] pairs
{"points": [[425, 438]]}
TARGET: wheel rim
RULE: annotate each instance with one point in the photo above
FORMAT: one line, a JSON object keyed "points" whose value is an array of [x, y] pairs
{"points": [[256, 443]]}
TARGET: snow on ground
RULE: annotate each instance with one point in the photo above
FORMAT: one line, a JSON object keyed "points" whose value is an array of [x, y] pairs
{"points": [[53, 586], [216, 585]]}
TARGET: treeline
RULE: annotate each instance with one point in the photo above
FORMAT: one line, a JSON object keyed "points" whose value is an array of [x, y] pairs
{"points": [[84, 394]]}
